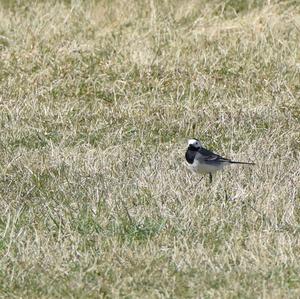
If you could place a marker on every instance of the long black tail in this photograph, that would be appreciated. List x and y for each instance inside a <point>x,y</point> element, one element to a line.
<point>237,162</point>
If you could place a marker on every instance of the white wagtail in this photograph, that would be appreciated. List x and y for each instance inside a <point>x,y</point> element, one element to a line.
<point>204,161</point>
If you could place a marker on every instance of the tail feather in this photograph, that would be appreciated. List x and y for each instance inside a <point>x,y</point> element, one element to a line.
<point>238,162</point>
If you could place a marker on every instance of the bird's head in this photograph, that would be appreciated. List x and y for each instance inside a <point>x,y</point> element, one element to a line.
<point>194,143</point>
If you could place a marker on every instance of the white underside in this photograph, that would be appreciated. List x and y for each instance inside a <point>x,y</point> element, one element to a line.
<point>204,167</point>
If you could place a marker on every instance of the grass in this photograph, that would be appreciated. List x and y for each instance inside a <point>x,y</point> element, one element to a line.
<point>97,101</point>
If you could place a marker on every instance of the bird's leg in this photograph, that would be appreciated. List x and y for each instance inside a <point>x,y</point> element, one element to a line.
<point>226,196</point>
<point>201,179</point>
<point>210,178</point>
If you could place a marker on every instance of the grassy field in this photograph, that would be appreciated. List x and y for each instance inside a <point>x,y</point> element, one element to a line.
<point>97,102</point>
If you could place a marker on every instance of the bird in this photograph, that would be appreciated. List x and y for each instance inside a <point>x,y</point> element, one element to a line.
<point>202,160</point>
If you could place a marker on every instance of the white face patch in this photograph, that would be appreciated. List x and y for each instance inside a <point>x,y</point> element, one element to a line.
<point>194,143</point>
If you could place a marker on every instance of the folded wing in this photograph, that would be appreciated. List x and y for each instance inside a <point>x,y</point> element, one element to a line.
<point>210,156</point>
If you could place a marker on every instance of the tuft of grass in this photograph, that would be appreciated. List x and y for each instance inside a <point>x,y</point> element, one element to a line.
<point>97,101</point>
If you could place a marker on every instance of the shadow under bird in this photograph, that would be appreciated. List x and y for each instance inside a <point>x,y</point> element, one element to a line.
<point>205,161</point>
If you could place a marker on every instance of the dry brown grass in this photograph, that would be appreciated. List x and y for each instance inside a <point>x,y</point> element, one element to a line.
<point>97,102</point>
